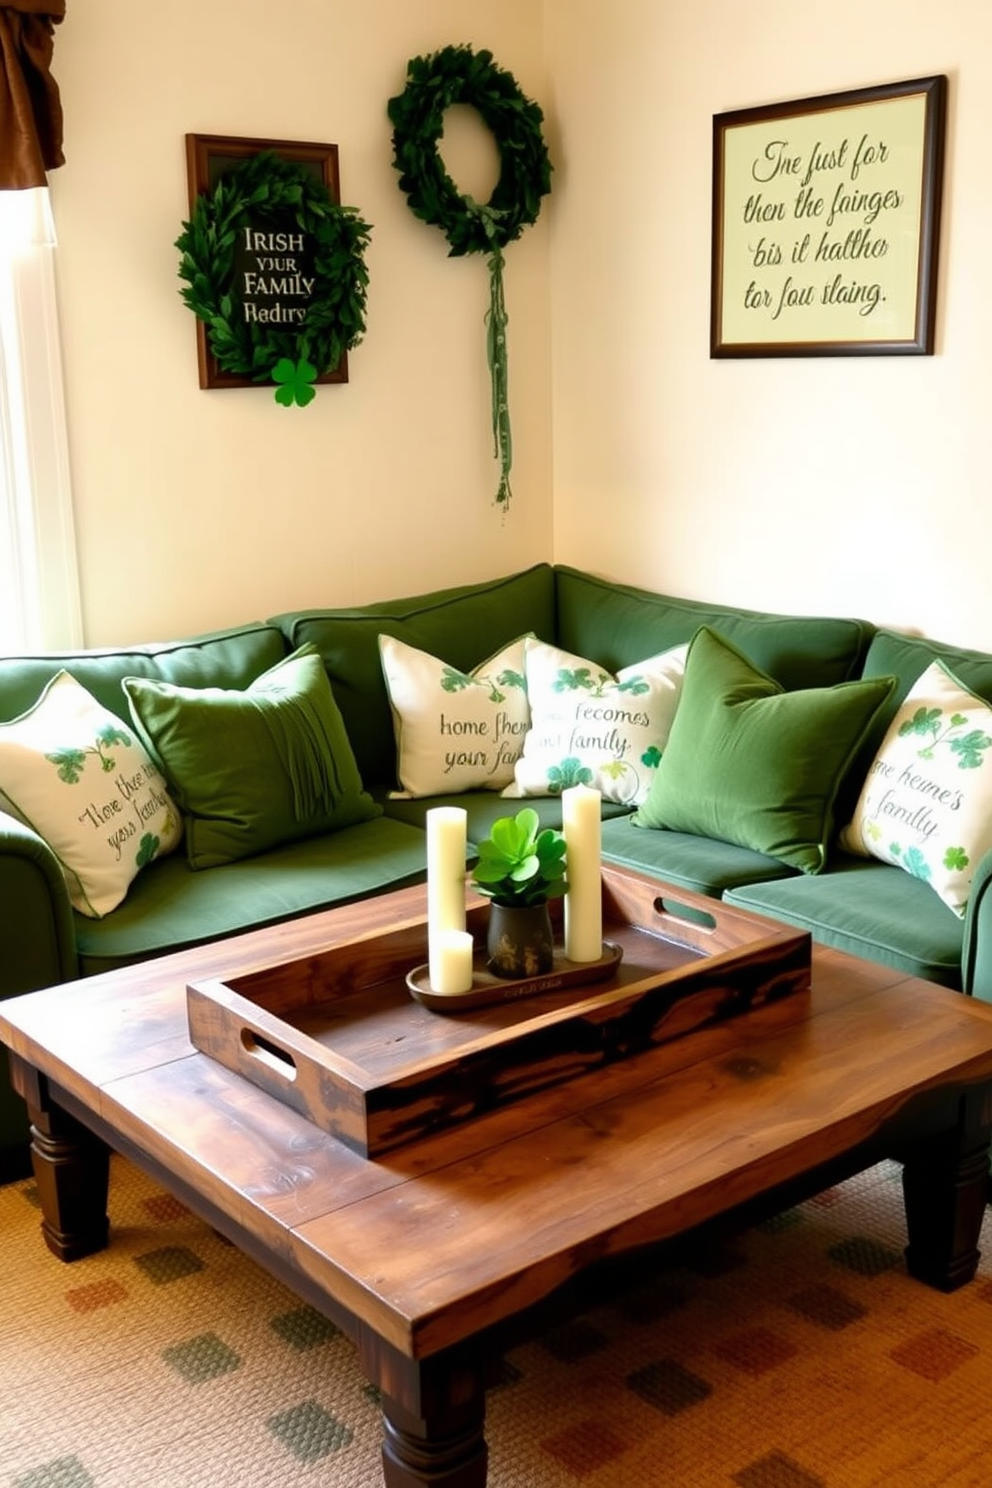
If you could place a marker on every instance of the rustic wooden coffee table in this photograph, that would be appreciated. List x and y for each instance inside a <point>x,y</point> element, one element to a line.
<point>429,1255</point>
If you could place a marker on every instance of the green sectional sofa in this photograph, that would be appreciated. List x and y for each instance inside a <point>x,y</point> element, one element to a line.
<point>864,905</point>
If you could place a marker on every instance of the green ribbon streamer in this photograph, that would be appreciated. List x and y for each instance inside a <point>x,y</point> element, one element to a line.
<point>496,320</point>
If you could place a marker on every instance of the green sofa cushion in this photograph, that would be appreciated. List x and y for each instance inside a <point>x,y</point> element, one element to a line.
<point>616,625</point>
<point>223,658</point>
<point>172,908</point>
<point>461,626</point>
<point>691,862</point>
<point>254,768</point>
<point>869,909</point>
<point>907,657</point>
<point>751,764</point>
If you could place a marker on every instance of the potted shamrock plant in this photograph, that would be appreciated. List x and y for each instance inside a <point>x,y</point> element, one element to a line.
<point>521,867</point>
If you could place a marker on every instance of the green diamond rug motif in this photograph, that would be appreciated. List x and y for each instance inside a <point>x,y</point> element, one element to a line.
<point>202,1358</point>
<point>309,1431</point>
<point>168,1263</point>
<point>776,1471</point>
<point>866,1256</point>
<point>303,1328</point>
<point>668,1386</point>
<point>64,1472</point>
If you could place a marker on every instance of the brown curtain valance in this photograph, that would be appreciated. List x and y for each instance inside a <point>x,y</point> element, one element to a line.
<point>30,108</point>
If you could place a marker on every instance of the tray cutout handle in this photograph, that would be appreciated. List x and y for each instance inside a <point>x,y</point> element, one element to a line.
<point>689,914</point>
<point>280,1061</point>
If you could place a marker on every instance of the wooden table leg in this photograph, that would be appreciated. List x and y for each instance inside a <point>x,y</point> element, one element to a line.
<point>433,1413</point>
<point>421,1454</point>
<point>945,1182</point>
<point>71,1169</point>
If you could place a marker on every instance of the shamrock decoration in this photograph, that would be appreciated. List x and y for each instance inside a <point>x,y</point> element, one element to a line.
<point>453,680</point>
<point>71,761</point>
<point>295,379</point>
<point>147,849</point>
<point>570,771</point>
<point>969,748</point>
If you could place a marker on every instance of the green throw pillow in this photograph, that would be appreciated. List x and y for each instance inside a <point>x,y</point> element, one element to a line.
<point>253,769</point>
<point>748,763</point>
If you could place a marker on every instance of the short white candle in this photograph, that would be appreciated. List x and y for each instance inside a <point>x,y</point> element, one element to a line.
<point>580,812</point>
<point>447,830</point>
<point>451,962</point>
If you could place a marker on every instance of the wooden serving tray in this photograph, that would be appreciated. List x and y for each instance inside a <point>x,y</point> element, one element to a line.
<point>338,1037</point>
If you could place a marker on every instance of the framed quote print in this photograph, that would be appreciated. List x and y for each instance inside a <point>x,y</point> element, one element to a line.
<point>826,222</point>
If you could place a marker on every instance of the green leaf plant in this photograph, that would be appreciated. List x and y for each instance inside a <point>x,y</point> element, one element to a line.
<point>519,863</point>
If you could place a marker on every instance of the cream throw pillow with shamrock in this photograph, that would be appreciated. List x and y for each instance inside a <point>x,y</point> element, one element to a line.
<point>589,727</point>
<point>455,731</point>
<point>72,771</point>
<point>926,804</point>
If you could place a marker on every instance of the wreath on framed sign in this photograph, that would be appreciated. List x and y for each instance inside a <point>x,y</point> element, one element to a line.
<point>316,258</point>
<point>457,74</point>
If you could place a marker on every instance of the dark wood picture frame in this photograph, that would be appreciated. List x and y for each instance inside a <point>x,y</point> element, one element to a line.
<point>826,223</point>
<point>208,156</point>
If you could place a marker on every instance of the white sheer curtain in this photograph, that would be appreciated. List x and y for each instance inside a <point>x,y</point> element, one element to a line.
<point>39,588</point>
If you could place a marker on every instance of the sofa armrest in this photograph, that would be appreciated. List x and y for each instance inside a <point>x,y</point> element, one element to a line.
<point>976,955</point>
<point>37,937</point>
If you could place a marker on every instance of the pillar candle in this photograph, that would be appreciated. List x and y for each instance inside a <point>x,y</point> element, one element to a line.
<point>451,962</point>
<point>446,843</point>
<point>580,810</point>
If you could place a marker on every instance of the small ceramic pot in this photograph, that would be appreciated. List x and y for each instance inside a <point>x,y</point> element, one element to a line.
<point>519,940</point>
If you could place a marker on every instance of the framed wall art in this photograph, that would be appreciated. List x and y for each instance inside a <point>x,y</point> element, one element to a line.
<point>273,264</point>
<point>826,222</point>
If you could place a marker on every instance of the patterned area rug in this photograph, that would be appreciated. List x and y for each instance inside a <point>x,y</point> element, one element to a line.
<point>798,1355</point>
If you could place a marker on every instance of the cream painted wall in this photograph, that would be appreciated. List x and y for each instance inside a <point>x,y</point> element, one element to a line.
<point>199,509</point>
<point>840,485</point>
<point>837,484</point>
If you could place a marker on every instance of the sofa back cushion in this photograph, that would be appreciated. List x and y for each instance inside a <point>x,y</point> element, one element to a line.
<point>461,626</point>
<point>907,657</point>
<point>616,625</point>
<point>225,658</point>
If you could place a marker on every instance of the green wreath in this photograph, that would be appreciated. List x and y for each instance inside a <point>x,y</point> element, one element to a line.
<point>457,74</point>
<point>264,189</point>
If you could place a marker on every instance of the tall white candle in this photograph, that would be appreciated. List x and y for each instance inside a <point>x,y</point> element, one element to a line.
<point>452,962</point>
<point>580,811</point>
<point>447,830</point>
